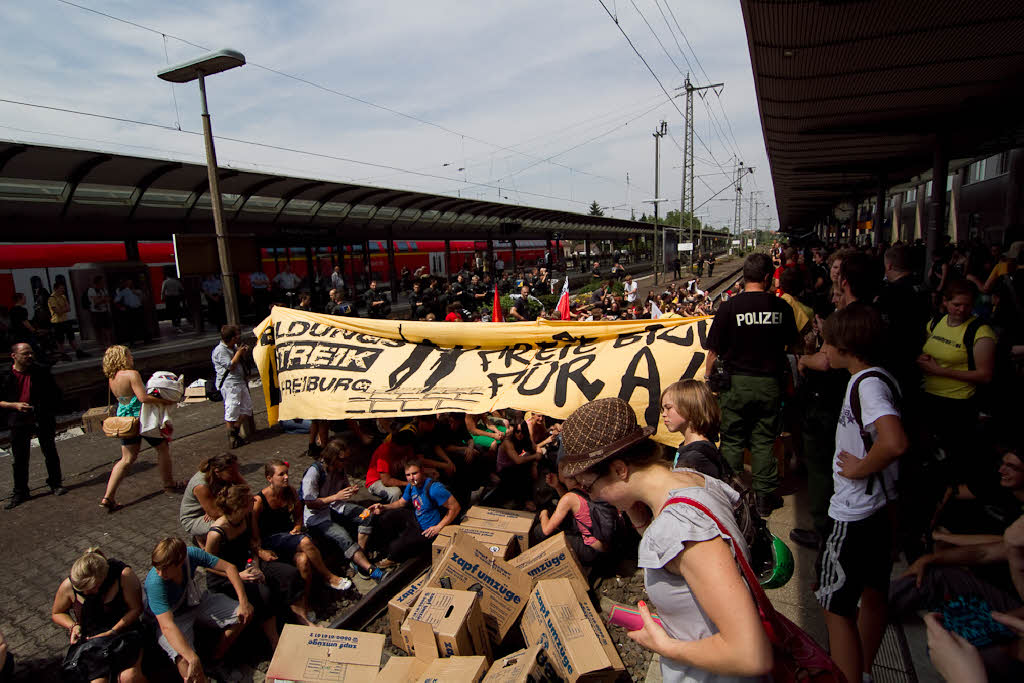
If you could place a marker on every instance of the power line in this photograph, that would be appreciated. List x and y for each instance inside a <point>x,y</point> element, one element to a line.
<point>280,148</point>
<point>333,91</point>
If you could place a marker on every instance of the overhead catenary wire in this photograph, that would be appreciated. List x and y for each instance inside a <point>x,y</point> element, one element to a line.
<point>334,91</point>
<point>280,148</point>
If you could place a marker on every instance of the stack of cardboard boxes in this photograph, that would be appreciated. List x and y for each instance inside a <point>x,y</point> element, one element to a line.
<point>452,618</point>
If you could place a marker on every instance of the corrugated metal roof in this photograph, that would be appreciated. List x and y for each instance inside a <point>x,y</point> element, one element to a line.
<point>850,91</point>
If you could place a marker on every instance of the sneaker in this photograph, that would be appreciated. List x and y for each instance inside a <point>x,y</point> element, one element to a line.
<point>58,490</point>
<point>342,585</point>
<point>767,503</point>
<point>378,574</point>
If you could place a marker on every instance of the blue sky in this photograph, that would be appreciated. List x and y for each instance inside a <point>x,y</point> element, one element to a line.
<point>535,78</point>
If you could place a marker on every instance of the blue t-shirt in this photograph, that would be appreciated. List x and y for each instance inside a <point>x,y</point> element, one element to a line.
<point>162,595</point>
<point>427,507</point>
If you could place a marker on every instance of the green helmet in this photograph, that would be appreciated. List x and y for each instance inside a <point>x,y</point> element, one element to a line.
<point>778,573</point>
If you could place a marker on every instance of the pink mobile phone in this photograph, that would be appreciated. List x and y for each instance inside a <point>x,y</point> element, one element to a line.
<point>629,618</point>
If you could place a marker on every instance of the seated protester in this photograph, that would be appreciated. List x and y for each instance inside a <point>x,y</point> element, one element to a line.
<point>857,559</point>
<point>517,467</point>
<point>6,662</point>
<point>277,521</point>
<point>272,587</point>
<point>451,435</point>
<point>487,431</point>
<point>100,604</point>
<point>689,407</point>
<point>572,515</point>
<point>432,454</point>
<point>386,459</point>
<point>199,503</point>
<point>410,533</point>
<point>177,602</point>
<point>966,564</point>
<point>985,506</point>
<point>330,516</point>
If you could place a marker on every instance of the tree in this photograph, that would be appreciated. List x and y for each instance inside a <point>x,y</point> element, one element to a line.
<point>595,209</point>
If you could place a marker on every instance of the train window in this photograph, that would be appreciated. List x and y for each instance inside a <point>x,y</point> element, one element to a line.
<point>32,190</point>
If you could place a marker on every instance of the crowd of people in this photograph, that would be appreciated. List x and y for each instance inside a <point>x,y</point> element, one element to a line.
<point>899,384</point>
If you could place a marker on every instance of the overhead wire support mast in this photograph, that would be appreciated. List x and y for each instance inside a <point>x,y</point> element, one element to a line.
<point>686,196</point>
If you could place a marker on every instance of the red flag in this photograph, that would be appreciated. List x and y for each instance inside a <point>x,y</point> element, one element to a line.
<point>497,315</point>
<point>563,301</point>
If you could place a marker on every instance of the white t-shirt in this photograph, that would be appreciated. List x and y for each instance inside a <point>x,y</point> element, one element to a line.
<point>851,502</point>
<point>630,289</point>
<point>259,280</point>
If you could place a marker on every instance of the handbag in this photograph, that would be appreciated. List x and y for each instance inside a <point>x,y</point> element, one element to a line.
<point>795,655</point>
<point>102,656</point>
<point>124,427</point>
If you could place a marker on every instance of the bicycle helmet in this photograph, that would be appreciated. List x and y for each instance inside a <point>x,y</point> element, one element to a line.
<point>778,573</point>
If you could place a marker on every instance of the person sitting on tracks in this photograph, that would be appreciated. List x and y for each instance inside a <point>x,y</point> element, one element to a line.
<point>199,503</point>
<point>384,463</point>
<point>100,604</point>
<point>329,514</point>
<point>273,587</point>
<point>177,602</point>
<point>410,533</point>
<point>277,521</point>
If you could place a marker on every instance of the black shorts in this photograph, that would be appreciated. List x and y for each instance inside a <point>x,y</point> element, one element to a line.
<point>856,556</point>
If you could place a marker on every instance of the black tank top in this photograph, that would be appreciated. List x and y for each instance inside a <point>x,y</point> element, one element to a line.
<point>273,521</point>
<point>234,550</point>
<point>92,613</point>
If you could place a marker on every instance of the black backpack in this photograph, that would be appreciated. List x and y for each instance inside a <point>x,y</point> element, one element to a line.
<point>605,521</point>
<point>855,408</point>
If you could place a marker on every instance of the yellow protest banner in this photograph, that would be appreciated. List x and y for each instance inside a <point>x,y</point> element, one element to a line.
<point>332,368</point>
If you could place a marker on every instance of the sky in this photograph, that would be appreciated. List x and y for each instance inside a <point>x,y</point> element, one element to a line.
<point>527,102</point>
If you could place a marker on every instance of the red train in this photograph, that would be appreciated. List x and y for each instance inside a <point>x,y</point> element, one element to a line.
<point>20,262</point>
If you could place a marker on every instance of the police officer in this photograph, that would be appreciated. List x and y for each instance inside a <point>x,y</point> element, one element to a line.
<point>750,333</point>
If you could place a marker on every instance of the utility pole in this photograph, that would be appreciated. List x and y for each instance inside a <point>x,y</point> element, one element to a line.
<point>659,133</point>
<point>739,203</point>
<point>686,198</point>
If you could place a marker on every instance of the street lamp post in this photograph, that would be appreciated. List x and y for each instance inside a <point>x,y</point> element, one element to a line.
<point>198,69</point>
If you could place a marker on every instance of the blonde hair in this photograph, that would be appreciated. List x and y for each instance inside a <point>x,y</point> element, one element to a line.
<point>115,359</point>
<point>89,570</point>
<point>694,401</point>
<point>168,553</point>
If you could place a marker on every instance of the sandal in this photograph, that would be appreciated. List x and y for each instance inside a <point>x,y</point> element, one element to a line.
<point>110,505</point>
<point>175,487</point>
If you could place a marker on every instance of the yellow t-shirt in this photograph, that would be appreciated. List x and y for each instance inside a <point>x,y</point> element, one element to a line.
<point>946,345</point>
<point>999,270</point>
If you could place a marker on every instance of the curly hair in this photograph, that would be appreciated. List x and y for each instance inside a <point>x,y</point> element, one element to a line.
<point>115,359</point>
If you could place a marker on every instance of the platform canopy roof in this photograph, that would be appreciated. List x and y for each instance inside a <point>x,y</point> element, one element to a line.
<point>62,194</point>
<point>853,94</point>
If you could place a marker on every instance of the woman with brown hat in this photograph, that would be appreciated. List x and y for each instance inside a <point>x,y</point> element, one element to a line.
<point>711,624</point>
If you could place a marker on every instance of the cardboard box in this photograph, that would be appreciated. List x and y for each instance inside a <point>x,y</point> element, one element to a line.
<point>399,606</point>
<point>195,399</point>
<point>455,620</point>
<point>501,543</point>
<point>402,670</point>
<point>565,623</point>
<point>504,590</point>
<point>484,512</point>
<point>454,670</point>
<point>526,666</point>
<point>92,420</point>
<point>552,559</point>
<point>195,392</point>
<point>324,654</point>
<point>519,526</point>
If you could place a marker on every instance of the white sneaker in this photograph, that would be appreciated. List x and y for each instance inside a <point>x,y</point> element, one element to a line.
<point>343,585</point>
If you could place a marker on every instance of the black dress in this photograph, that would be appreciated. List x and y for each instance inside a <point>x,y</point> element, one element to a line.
<point>283,585</point>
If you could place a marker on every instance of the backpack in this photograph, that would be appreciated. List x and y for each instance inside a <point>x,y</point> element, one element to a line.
<point>969,334</point>
<point>605,521</point>
<point>855,408</point>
